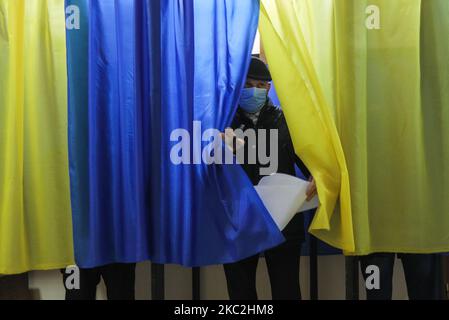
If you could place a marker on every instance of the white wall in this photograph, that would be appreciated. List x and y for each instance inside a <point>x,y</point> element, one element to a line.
<point>331,274</point>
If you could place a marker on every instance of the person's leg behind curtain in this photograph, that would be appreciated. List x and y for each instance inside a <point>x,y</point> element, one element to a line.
<point>241,279</point>
<point>89,280</point>
<point>420,274</point>
<point>283,269</point>
<point>283,262</point>
<point>385,263</point>
<point>120,281</point>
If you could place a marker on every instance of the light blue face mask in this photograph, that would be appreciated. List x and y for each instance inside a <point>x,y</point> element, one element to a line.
<point>253,99</point>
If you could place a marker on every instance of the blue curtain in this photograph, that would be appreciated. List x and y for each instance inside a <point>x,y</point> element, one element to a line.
<point>153,67</point>
<point>77,71</point>
<point>107,107</point>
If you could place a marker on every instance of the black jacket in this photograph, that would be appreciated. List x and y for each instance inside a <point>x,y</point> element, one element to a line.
<point>270,117</point>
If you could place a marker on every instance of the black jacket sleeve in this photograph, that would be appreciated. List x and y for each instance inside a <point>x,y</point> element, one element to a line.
<point>302,166</point>
<point>292,153</point>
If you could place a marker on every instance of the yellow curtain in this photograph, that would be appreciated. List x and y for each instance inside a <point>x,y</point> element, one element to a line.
<point>35,215</point>
<point>309,118</point>
<point>384,72</point>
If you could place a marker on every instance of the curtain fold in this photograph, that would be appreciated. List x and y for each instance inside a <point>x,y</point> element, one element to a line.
<point>308,115</point>
<point>108,58</point>
<point>35,214</point>
<point>203,214</point>
<point>78,127</point>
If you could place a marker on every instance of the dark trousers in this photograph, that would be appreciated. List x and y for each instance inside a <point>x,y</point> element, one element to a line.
<point>119,280</point>
<point>283,269</point>
<point>420,274</point>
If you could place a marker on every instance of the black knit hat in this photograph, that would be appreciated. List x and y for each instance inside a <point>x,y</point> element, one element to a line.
<point>258,70</point>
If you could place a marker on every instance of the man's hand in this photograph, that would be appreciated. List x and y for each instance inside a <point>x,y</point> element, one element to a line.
<point>229,137</point>
<point>311,191</point>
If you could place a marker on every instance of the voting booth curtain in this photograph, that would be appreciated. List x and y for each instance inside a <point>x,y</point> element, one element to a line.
<point>137,70</point>
<point>380,68</point>
<point>35,216</point>
<point>363,84</point>
<point>307,112</point>
<point>152,67</point>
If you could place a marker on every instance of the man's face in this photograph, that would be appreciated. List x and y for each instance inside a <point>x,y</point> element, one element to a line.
<point>251,83</point>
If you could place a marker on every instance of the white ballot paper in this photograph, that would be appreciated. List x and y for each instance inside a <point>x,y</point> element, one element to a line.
<point>284,196</point>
